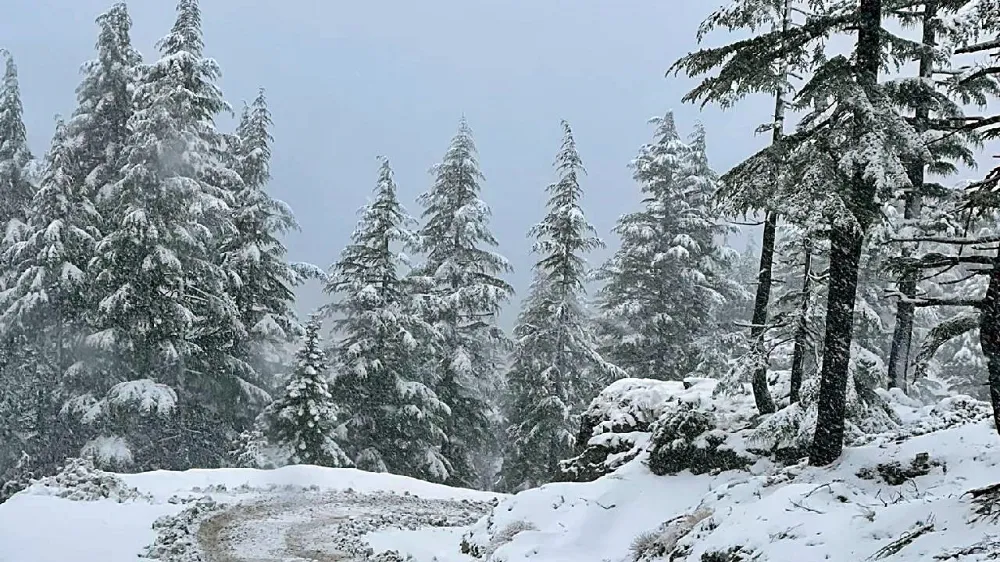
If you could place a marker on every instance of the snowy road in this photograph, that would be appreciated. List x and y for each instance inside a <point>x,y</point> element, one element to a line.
<point>320,526</point>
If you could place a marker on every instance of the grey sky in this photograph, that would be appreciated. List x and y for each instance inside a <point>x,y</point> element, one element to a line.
<point>348,81</point>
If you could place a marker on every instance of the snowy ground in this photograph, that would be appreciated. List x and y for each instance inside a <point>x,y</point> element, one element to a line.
<point>905,496</point>
<point>292,514</point>
<point>849,512</point>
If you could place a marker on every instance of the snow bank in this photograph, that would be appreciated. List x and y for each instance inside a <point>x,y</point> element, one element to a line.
<point>165,483</point>
<point>37,525</point>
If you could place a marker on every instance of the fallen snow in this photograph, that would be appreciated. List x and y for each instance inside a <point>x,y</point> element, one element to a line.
<point>38,526</point>
<point>844,513</point>
<point>779,514</point>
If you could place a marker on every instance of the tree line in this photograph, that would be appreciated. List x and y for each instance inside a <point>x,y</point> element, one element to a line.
<point>147,301</point>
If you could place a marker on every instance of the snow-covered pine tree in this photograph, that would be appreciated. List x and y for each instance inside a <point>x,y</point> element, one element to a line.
<point>668,276</point>
<point>165,323</point>
<point>754,15</point>
<point>254,255</point>
<point>16,403</point>
<point>15,189</point>
<point>303,425</point>
<point>47,302</point>
<point>44,308</point>
<point>556,369</point>
<point>99,125</point>
<point>393,421</point>
<point>462,274</point>
<point>933,107</point>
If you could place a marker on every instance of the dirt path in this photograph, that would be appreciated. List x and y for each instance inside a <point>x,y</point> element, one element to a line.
<point>312,526</point>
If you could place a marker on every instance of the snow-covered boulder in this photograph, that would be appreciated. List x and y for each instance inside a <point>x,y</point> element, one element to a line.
<point>685,425</point>
<point>616,426</point>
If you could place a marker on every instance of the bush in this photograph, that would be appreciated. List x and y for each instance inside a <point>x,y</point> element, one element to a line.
<point>690,439</point>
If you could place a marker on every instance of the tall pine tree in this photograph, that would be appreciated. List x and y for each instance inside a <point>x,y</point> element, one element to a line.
<point>166,324</point>
<point>556,368</point>
<point>462,273</point>
<point>669,273</point>
<point>393,421</point>
<point>253,255</point>
<point>850,151</point>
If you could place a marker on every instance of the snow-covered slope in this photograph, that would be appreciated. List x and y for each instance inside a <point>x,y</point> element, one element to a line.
<point>882,501</point>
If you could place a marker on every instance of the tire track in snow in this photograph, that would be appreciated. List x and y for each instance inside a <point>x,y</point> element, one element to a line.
<point>311,526</point>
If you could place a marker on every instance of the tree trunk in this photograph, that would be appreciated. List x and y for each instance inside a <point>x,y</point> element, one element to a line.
<point>802,325</point>
<point>989,338</point>
<point>846,241</point>
<point>761,394</point>
<point>902,335</point>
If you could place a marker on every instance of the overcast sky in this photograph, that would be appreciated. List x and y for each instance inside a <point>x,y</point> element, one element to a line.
<point>348,81</point>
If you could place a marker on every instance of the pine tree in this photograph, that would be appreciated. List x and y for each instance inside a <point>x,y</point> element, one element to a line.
<point>254,255</point>
<point>302,425</point>
<point>22,400</point>
<point>44,309</point>
<point>668,275</point>
<point>15,189</point>
<point>463,276</point>
<point>99,125</point>
<point>556,369</point>
<point>393,421</point>
<point>165,323</point>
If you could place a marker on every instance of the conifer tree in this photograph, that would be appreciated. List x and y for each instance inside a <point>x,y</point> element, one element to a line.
<point>44,308</point>
<point>254,255</point>
<point>668,275</point>
<point>98,127</point>
<point>15,189</point>
<point>556,368</point>
<point>166,324</point>
<point>393,421</point>
<point>462,274</point>
<point>20,402</point>
<point>302,425</point>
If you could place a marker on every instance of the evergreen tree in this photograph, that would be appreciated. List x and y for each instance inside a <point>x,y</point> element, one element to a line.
<point>253,255</point>
<point>15,189</point>
<point>394,422</point>
<point>23,399</point>
<point>668,276</point>
<point>44,308</point>
<point>556,369</point>
<point>302,425</point>
<point>99,125</point>
<point>462,274</point>
<point>166,324</point>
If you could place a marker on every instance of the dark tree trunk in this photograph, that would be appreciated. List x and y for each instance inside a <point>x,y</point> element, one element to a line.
<point>801,325</point>
<point>761,394</point>
<point>989,338</point>
<point>846,241</point>
<point>902,335</point>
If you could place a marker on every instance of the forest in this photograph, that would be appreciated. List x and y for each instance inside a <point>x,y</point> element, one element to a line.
<point>147,305</point>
